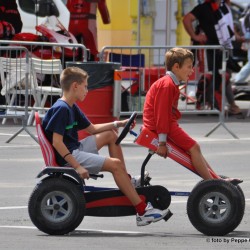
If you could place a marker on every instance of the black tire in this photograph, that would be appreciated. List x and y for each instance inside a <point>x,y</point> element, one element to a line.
<point>243,199</point>
<point>215,207</point>
<point>56,206</point>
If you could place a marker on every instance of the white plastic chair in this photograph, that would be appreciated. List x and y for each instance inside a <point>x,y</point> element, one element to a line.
<point>39,68</point>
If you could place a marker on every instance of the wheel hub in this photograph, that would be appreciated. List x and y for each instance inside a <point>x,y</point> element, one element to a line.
<point>215,208</point>
<point>56,207</point>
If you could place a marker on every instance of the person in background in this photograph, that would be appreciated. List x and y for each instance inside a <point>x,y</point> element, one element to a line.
<point>212,15</point>
<point>83,22</point>
<point>10,19</point>
<point>245,26</point>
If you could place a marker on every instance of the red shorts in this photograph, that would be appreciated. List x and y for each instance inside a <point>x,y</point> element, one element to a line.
<point>180,137</point>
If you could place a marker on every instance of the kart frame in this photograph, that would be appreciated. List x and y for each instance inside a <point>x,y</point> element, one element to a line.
<point>214,207</point>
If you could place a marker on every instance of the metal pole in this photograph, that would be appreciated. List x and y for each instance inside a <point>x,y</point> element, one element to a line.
<point>138,41</point>
<point>168,22</point>
<point>223,93</point>
<point>117,93</point>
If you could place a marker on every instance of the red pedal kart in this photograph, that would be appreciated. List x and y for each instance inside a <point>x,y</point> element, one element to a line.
<point>61,199</point>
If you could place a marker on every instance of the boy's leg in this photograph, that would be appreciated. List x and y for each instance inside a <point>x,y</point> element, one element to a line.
<point>185,142</point>
<point>87,156</point>
<point>115,151</point>
<point>199,162</point>
<point>121,178</point>
<point>108,138</point>
<point>146,214</point>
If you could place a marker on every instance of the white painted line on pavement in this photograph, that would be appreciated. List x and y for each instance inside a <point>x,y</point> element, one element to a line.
<point>20,227</point>
<point>20,146</point>
<point>22,160</point>
<point>108,231</point>
<point>13,134</point>
<point>205,139</point>
<point>200,139</point>
<point>16,207</point>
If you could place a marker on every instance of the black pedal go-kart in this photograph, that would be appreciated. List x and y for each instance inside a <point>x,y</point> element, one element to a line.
<point>60,200</point>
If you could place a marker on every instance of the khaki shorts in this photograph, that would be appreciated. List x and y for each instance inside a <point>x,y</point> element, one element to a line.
<point>87,155</point>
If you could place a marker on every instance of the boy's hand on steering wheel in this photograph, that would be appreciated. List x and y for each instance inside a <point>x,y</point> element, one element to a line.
<point>162,151</point>
<point>124,122</point>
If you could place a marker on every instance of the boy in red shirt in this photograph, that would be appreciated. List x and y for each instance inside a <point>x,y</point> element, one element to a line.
<point>161,112</point>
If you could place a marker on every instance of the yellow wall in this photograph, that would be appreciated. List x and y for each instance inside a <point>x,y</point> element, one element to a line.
<point>182,37</point>
<point>118,32</point>
<point>122,31</point>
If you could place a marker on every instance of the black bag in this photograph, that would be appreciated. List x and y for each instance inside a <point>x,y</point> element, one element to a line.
<point>233,65</point>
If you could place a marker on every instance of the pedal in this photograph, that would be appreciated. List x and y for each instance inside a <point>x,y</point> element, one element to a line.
<point>168,215</point>
<point>147,181</point>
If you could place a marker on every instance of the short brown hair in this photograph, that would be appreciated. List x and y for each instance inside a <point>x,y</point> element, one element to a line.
<point>70,75</point>
<point>177,55</point>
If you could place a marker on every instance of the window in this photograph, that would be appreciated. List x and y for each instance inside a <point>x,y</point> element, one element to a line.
<point>41,8</point>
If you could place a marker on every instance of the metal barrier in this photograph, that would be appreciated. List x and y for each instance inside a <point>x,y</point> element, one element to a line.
<point>24,75</point>
<point>25,88</point>
<point>143,65</point>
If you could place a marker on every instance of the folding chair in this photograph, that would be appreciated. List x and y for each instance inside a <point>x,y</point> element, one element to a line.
<point>41,67</point>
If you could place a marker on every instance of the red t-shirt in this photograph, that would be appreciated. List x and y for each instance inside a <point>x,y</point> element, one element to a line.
<point>160,107</point>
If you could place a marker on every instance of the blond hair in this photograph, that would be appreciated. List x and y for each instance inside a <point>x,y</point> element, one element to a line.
<point>177,55</point>
<point>70,75</point>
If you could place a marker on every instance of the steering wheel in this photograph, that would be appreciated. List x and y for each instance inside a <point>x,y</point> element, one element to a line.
<point>126,129</point>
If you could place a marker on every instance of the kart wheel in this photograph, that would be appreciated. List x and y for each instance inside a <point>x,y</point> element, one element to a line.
<point>56,206</point>
<point>215,207</point>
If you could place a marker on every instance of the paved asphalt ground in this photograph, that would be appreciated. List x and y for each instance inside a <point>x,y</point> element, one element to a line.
<point>21,160</point>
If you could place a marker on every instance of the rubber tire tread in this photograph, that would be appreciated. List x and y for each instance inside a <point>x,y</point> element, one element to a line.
<point>227,189</point>
<point>63,185</point>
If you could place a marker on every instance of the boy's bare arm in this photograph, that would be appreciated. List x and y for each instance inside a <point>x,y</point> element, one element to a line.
<point>98,128</point>
<point>60,147</point>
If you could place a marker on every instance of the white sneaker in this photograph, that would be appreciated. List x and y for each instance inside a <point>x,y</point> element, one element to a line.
<point>136,180</point>
<point>151,215</point>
